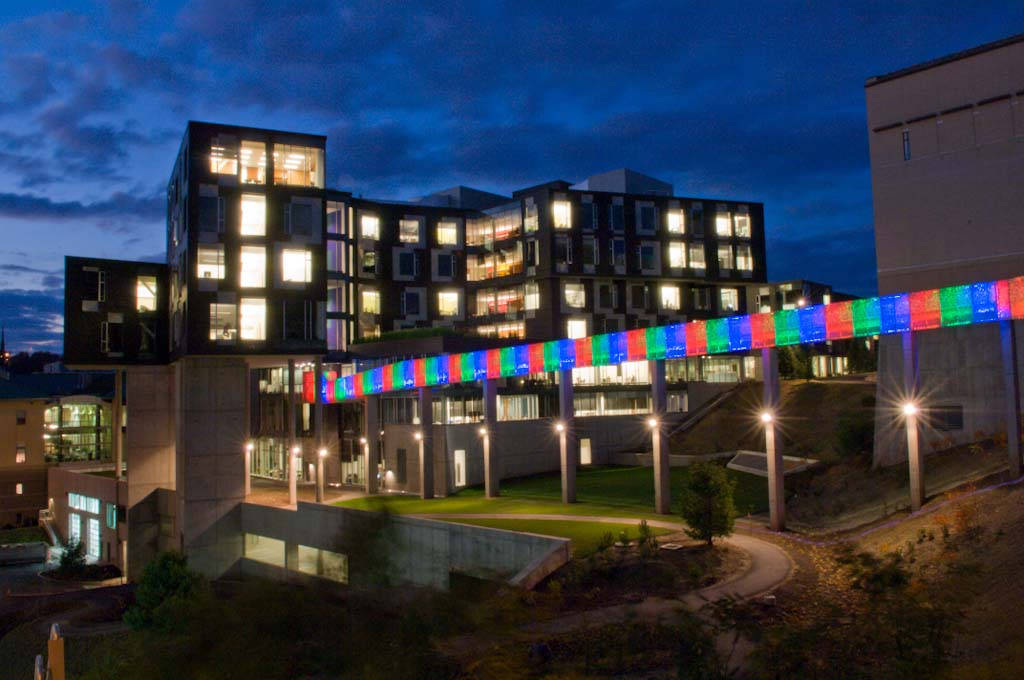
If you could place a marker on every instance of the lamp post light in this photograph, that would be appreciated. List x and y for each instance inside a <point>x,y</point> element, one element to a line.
<point>321,456</point>
<point>911,411</point>
<point>776,474</point>
<point>293,475</point>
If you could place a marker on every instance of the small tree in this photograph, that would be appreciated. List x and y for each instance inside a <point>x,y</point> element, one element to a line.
<point>165,582</point>
<point>72,560</point>
<point>707,502</point>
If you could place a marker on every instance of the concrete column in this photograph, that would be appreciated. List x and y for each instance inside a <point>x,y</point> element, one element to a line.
<point>318,428</point>
<point>1008,342</point>
<point>773,448</point>
<point>492,477</point>
<point>116,439</point>
<point>249,445</point>
<point>659,444</point>
<point>293,477</point>
<point>371,426</point>
<point>426,442</point>
<point>911,389</point>
<point>568,443</point>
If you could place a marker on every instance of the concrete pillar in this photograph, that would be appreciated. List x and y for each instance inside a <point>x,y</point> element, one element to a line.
<point>116,439</point>
<point>1008,343</point>
<point>659,443</point>
<point>293,476</point>
<point>911,389</point>
<point>773,448</point>
<point>371,427</point>
<point>318,428</point>
<point>426,442</point>
<point>568,442</point>
<point>249,444</point>
<point>492,477</point>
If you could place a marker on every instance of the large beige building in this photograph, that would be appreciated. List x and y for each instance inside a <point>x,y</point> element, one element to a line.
<point>947,178</point>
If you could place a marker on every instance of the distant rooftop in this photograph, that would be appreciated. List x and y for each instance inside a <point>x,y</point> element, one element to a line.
<point>956,56</point>
<point>463,197</point>
<point>625,181</point>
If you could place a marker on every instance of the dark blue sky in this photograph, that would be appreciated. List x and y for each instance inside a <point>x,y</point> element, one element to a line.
<point>761,101</point>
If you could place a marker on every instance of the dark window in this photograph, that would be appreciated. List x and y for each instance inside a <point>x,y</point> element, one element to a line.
<point>588,216</point>
<point>701,298</point>
<point>612,325</point>
<point>947,417</point>
<point>618,217</point>
<point>906,145</point>
<point>301,222</point>
<point>647,218</point>
<point>697,218</point>
<point>20,417</point>
<point>590,250</point>
<point>645,254</point>
<point>401,463</point>
<point>446,265</point>
<point>618,252</point>
<point>605,296</point>
<point>407,264</point>
<point>410,303</point>
<point>638,295</point>
<point>211,214</point>
<point>531,253</point>
<point>294,326</point>
<point>563,250</point>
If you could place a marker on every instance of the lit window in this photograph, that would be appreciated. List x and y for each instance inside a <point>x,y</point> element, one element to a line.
<point>145,293</point>
<point>725,259</point>
<point>670,298</point>
<point>561,211</point>
<point>409,231</point>
<point>744,260</point>
<point>223,322</point>
<point>19,454</point>
<point>575,295</point>
<point>531,296</point>
<point>677,255</point>
<point>723,224</point>
<point>448,303</point>
<point>254,163</point>
<point>296,266</point>
<point>111,516</point>
<point>741,223</point>
<point>254,215</point>
<point>19,489</point>
<point>697,256</point>
<point>371,301</point>
<point>210,261</point>
<point>576,328</point>
<point>676,222</point>
<point>223,160</point>
<point>298,165</point>
<point>369,261</point>
<point>252,313</point>
<point>531,223</point>
<point>447,234</point>
<point>254,267</point>
<point>369,227</point>
<point>730,299</point>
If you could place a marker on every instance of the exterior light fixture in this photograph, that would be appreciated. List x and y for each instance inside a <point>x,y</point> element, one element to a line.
<point>801,302</point>
<point>910,409</point>
<point>362,440</point>
<point>767,417</point>
<point>382,433</point>
<point>323,453</point>
<point>249,447</point>
<point>652,423</point>
<point>418,436</point>
<point>295,450</point>
<point>560,427</point>
<point>482,431</point>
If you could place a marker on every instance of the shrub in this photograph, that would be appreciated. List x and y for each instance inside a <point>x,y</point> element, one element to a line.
<point>707,504</point>
<point>606,541</point>
<point>166,584</point>
<point>72,561</point>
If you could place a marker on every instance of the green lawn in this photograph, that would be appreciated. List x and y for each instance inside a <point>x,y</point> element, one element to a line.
<point>615,491</point>
<point>23,535</point>
<point>584,535</point>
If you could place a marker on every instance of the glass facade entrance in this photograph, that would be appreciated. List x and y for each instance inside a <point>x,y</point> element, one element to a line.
<point>269,461</point>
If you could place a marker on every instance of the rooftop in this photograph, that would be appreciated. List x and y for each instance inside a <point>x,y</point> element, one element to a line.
<point>956,56</point>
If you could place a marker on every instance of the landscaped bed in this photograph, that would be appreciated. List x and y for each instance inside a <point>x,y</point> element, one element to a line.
<point>22,535</point>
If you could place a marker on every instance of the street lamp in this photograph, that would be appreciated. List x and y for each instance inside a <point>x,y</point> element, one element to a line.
<point>910,409</point>
<point>418,436</point>
<point>652,423</point>
<point>482,431</point>
<point>560,427</point>
<point>767,417</point>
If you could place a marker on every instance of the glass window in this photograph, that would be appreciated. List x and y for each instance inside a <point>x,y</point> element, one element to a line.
<point>211,214</point>
<point>588,216</point>
<point>723,224</point>
<point>445,265</point>
<point>645,213</point>
<point>618,248</point>
<point>676,222</point>
<point>725,259</point>
<point>335,218</point>
<point>145,293</point>
<point>254,267</point>
<point>697,218</point>
<point>369,226</point>
<point>370,301</point>
<point>701,298</point>
<point>697,256</point>
<point>223,324</point>
<point>607,294</point>
<point>296,266</point>
<point>409,231</point>
<point>744,260</point>
<point>335,256</point>
<point>531,295</point>
<point>618,217</point>
<point>741,223</point>
<point>590,250</point>
<point>252,314</point>
<point>223,159</point>
<point>646,252</point>
<point>676,254</point>
<point>410,303</point>
<point>447,234</point>
<point>298,165</point>
<point>254,163</point>
<point>407,264</point>
<point>369,260</point>
<point>563,250</point>
<point>299,219</point>
<point>531,222</point>
<point>575,295</point>
<point>254,215</point>
<point>448,303</point>
<point>20,453</point>
<point>94,538</point>
<point>576,328</point>
<point>561,213</point>
<point>74,527</point>
<point>730,299</point>
<point>670,298</point>
<point>111,516</point>
<point>210,261</point>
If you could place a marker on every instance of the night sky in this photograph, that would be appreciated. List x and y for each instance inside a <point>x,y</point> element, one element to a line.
<point>761,101</point>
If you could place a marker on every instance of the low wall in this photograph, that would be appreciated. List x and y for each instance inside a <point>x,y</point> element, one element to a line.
<point>412,550</point>
<point>647,459</point>
<point>22,553</point>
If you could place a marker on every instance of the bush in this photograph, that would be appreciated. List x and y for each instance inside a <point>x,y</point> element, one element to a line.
<point>72,561</point>
<point>167,583</point>
<point>707,502</point>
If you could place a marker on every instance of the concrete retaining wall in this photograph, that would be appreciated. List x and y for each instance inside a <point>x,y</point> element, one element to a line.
<point>647,459</point>
<point>22,553</point>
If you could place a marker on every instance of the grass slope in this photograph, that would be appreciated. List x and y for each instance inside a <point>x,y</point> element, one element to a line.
<point>585,536</point>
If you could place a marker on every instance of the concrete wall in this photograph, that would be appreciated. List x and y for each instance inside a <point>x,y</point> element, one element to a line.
<point>957,367</point>
<point>416,551</point>
<point>149,439</point>
<point>62,481</point>
<point>151,529</point>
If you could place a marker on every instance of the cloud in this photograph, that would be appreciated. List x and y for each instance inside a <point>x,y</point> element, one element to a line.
<point>32,319</point>
<point>119,207</point>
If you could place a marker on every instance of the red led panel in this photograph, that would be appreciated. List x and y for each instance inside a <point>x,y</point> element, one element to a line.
<point>1016,290</point>
<point>419,372</point>
<point>388,373</point>
<point>696,339</point>
<point>308,387</point>
<point>584,352</point>
<point>494,363</point>
<point>925,310</point>
<point>839,320</point>
<point>636,344</point>
<point>357,385</point>
<point>762,330</point>
<point>454,368</point>
<point>537,357</point>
